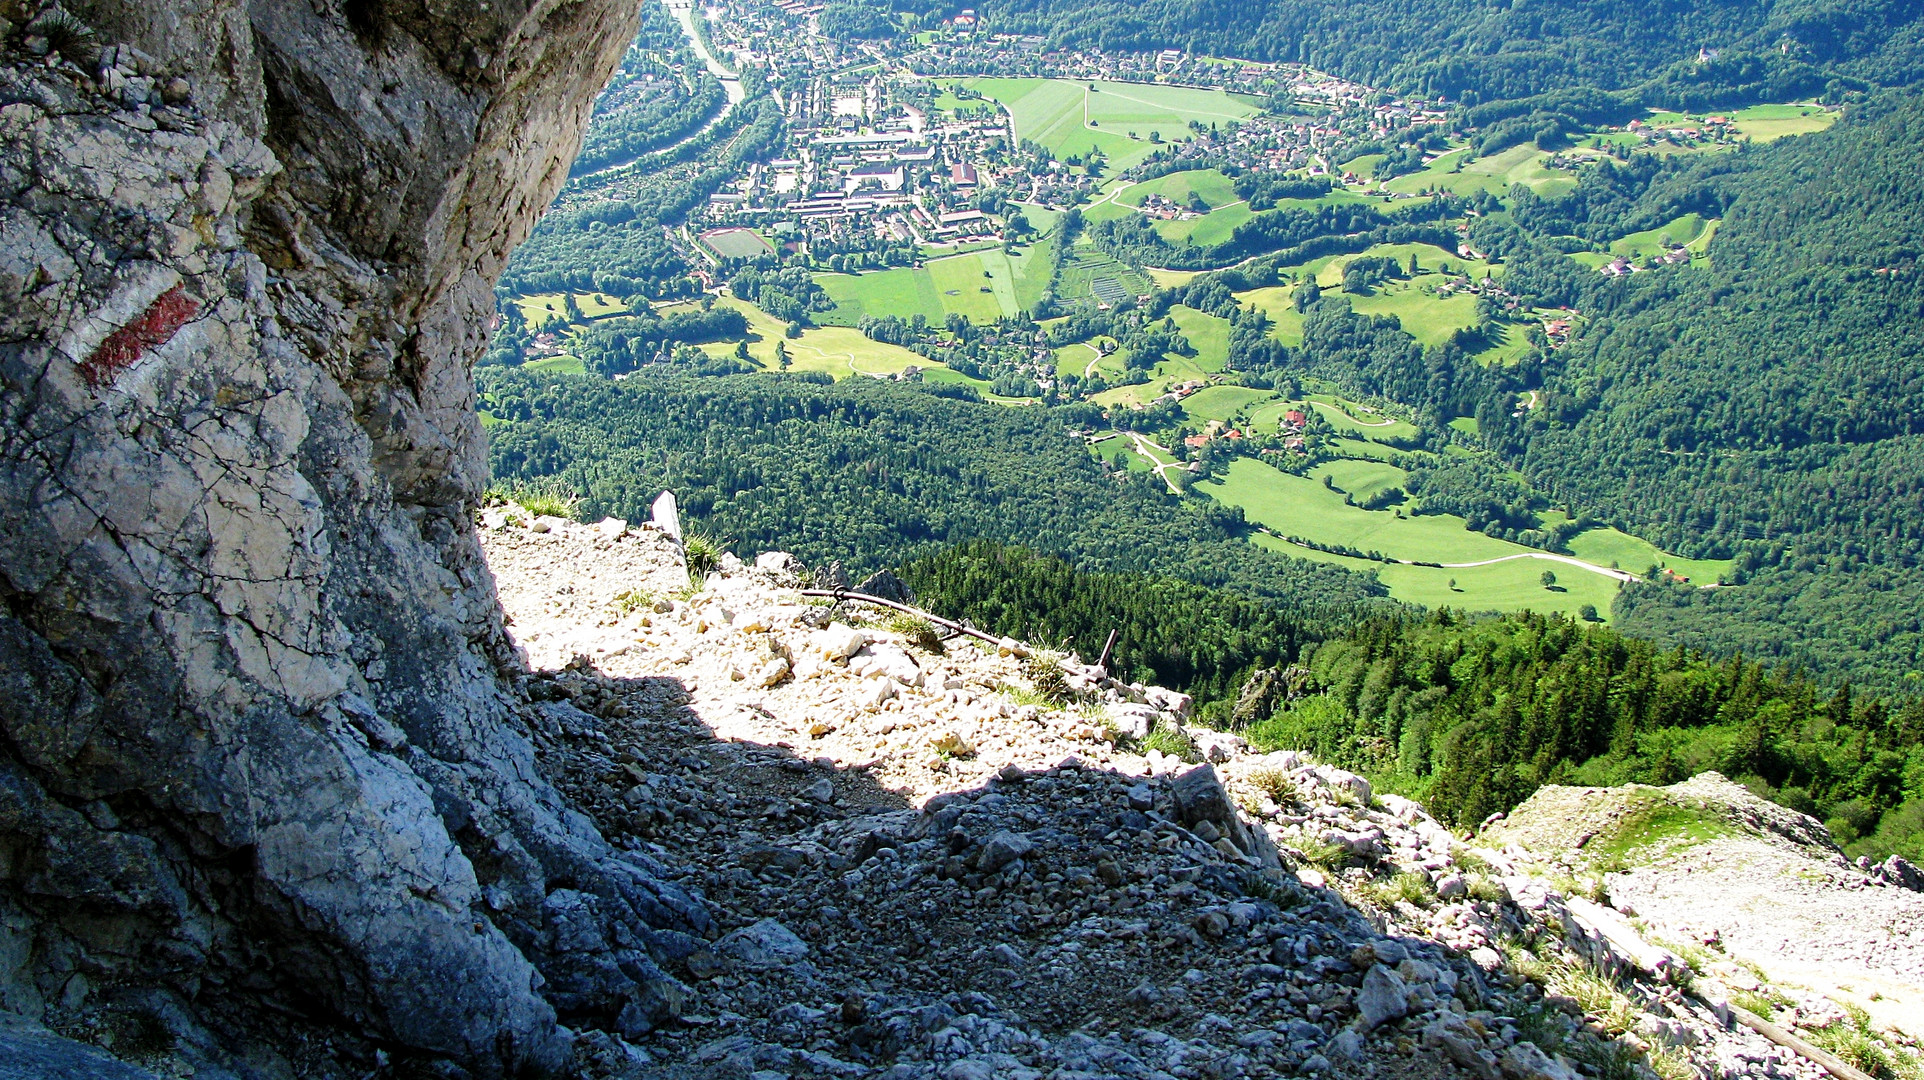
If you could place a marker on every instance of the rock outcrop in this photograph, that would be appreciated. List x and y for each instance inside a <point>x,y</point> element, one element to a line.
<point>253,743</point>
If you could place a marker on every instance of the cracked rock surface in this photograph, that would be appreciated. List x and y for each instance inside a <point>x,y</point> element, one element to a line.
<point>265,808</point>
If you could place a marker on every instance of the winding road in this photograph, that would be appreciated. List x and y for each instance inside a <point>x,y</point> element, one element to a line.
<point>1091,369</point>
<point>1618,575</point>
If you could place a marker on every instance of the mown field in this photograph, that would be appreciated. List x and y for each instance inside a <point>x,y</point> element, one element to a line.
<point>1301,506</point>
<point>984,286</point>
<point>1207,333</point>
<point>1456,171</point>
<point>543,308</point>
<point>838,351</point>
<point>1075,118</point>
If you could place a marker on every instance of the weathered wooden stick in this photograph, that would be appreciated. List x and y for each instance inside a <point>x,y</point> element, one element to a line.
<point>844,594</point>
<point>1828,1061</point>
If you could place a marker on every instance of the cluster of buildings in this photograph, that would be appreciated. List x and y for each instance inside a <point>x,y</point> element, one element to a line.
<point>1290,426</point>
<point>861,159</point>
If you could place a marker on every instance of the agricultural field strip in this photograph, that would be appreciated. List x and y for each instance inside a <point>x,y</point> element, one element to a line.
<point>1567,560</point>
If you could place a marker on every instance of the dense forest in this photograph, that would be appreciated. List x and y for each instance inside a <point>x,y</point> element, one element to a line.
<point>1671,53</point>
<point>1172,633</point>
<point>1769,403</point>
<point>1472,715</point>
<point>876,474</point>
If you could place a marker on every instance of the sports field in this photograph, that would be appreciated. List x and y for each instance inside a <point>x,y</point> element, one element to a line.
<point>735,243</point>
<point>1072,118</point>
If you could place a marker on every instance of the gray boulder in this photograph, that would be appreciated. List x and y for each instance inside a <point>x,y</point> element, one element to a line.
<point>766,943</point>
<point>1383,997</point>
<point>1001,849</point>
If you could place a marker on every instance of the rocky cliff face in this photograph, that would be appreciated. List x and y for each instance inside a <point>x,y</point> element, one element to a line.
<point>255,746</point>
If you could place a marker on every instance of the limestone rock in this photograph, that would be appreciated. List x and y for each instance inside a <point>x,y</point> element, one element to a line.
<point>1131,720</point>
<point>1002,849</point>
<point>838,641</point>
<point>239,459</point>
<point>763,944</point>
<point>1381,998</point>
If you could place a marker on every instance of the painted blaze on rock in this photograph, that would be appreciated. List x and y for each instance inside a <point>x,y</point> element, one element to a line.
<point>124,347</point>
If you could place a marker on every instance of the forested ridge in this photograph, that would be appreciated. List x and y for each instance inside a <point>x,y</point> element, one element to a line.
<point>876,474</point>
<point>1474,714</point>
<point>1194,638</point>
<point>1477,50</point>
<point>1770,403</point>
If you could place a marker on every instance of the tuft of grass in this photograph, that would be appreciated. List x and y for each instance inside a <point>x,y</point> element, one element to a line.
<point>1590,888</point>
<point>1046,675</point>
<point>629,601</point>
<point>1276,785</point>
<point>1486,888</point>
<point>1669,1064</point>
<point>917,631</point>
<point>1172,742</point>
<point>1764,1004</point>
<point>1022,695</point>
<point>1259,886</point>
<point>1406,887</point>
<point>1330,857</point>
<point>1469,862</point>
<point>1861,1046</point>
<point>67,35</point>
<point>543,498</point>
<point>702,551</point>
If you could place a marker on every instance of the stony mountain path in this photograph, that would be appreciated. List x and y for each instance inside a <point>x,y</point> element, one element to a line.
<point>920,869</point>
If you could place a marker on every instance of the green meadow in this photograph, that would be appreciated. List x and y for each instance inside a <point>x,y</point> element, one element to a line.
<point>1073,118</point>
<point>984,286</point>
<point>1303,507</point>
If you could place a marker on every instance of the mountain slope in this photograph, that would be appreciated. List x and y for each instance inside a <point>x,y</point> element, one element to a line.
<point>1490,51</point>
<point>1772,400</point>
